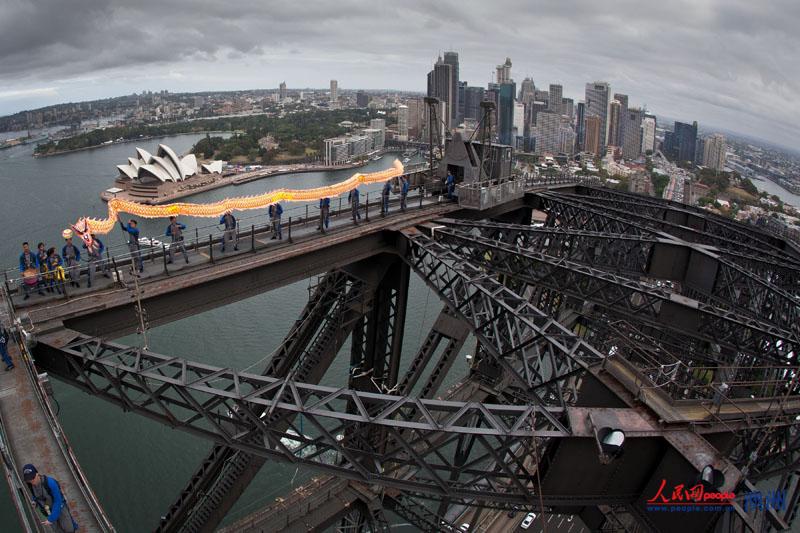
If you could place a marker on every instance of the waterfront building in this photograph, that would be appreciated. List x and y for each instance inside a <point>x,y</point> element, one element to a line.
<point>416,114</point>
<point>402,122</point>
<point>597,102</point>
<point>442,86</point>
<point>714,152</point>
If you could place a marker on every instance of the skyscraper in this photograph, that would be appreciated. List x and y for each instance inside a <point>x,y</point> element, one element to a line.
<point>504,72</point>
<point>451,58</point>
<point>593,134</point>
<point>473,96</point>
<point>505,111</point>
<point>623,112</point>
<point>402,122</point>
<point>519,122</point>
<point>547,132</point>
<point>714,152</point>
<point>567,107</point>
<point>334,91</point>
<point>441,86</point>
<point>554,99</point>
<point>648,133</point>
<point>632,141</point>
<point>613,123</point>
<point>462,101</point>
<point>580,127</point>
<point>597,100</point>
<point>415,117</point>
<point>362,99</point>
<point>282,91</point>
<point>526,91</point>
<point>685,140</point>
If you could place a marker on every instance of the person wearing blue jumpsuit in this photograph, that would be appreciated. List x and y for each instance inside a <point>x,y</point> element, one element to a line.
<point>94,257</point>
<point>47,496</point>
<point>27,261</point>
<point>275,211</point>
<point>450,184</point>
<point>133,242</point>
<point>403,192</point>
<point>387,189</point>
<point>4,348</point>
<point>229,233</point>
<point>324,213</point>
<point>352,199</point>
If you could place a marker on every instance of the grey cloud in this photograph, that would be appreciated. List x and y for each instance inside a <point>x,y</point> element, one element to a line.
<point>731,63</point>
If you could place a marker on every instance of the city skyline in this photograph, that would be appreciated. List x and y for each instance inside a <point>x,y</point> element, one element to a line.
<point>56,53</point>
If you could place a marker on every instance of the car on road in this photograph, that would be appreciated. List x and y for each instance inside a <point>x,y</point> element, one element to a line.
<point>529,518</point>
<point>464,527</point>
<point>513,511</point>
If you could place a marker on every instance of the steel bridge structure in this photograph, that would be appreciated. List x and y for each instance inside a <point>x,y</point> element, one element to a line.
<point>622,345</point>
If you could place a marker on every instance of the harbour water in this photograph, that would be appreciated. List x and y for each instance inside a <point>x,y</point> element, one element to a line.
<point>137,466</point>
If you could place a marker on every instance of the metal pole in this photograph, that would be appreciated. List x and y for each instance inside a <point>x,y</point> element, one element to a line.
<point>253,238</point>
<point>306,219</point>
<point>339,212</point>
<point>290,229</point>
<point>116,270</point>
<point>164,251</point>
<point>421,194</point>
<point>211,247</point>
<point>196,240</point>
<point>366,209</point>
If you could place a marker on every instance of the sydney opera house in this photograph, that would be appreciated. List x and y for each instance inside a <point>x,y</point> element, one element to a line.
<point>149,176</point>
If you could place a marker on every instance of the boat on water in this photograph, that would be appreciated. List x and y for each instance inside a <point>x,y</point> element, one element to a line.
<point>376,158</point>
<point>406,159</point>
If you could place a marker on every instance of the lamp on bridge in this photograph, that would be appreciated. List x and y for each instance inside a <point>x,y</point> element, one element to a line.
<point>711,478</point>
<point>610,442</point>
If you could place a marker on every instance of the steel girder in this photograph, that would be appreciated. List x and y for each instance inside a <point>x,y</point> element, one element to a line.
<point>622,295</point>
<point>730,287</point>
<point>225,406</point>
<point>705,221</point>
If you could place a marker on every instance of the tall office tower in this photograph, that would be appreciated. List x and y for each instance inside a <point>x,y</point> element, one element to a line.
<point>535,108</point>
<point>377,124</point>
<point>648,133</point>
<point>597,100</point>
<point>519,123</point>
<point>555,95</point>
<point>441,86</point>
<point>504,72</point>
<point>415,116</point>
<point>632,141</point>
<point>547,132</point>
<point>541,96</point>
<point>613,123</point>
<point>566,136</point>
<point>623,111</point>
<point>505,112</point>
<point>362,99</point>
<point>451,58</point>
<point>715,152</point>
<point>473,96</point>
<point>568,107</point>
<point>402,122</point>
<point>699,151</point>
<point>282,91</point>
<point>527,91</point>
<point>593,134</point>
<point>685,140</point>
<point>334,91</point>
<point>580,127</point>
<point>442,128</point>
<point>462,101</point>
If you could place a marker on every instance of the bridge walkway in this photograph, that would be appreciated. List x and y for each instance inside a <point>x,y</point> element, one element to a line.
<point>31,433</point>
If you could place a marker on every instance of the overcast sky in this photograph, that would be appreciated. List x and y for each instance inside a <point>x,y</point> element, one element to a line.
<point>731,64</point>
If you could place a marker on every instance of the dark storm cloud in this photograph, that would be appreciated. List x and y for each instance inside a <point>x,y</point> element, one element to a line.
<point>729,63</point>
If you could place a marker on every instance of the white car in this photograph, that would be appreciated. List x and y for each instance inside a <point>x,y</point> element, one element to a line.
<point>464,527</point>
<point>529,518</point>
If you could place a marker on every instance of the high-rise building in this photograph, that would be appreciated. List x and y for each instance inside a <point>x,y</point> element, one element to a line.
<point>580,127</point>
<point>623,111</point>
<point>402,122</point>
<point>567,107</point>
<point>442,86</point>
<point>462,101</point>
<point>632,128</point>
<point>362,99</point>
<point>282,91</point>
<point>593,134</point>
<point>441,127</point>
<point>715,152</point>
<point>473,96</point>
<point>504,72</point>
<point>613,123</point>
<point>334,91</point>
<point>416,113</point>
<point>555,95</point>
<point>519,121</point>
<point>505,111</point>
<point>547,133</point>
<point>685,140</point>
<point>451,58</point>
<point>527,91</point>
<point>597,100</point>
<point>541,96</point>
<point>648,133</point>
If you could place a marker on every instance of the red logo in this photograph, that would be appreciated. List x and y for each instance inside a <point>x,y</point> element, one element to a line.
<point>695,495</point>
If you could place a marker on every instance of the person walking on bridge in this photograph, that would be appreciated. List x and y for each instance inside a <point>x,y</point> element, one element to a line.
<point>72,259</point>
<point>4,338</point>
<point>450,185</point>
<point>94,256</point>
<point>352,199</point>
<point>48,497</point>
<point>229,234</point>
<point>41,257</point>
<point>403,193</point>
<point>275,211</point>
<point>324,213</point>
<point>385,192</point>
<point>133,242</point>
<point>175,231</point>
